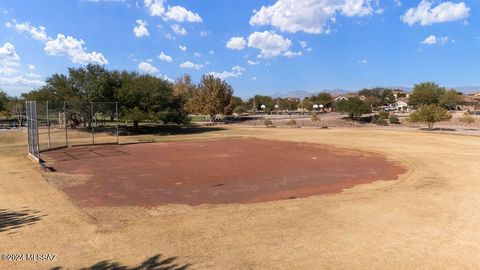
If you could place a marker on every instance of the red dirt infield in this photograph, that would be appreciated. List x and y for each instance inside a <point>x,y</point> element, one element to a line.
<point>233,170</point>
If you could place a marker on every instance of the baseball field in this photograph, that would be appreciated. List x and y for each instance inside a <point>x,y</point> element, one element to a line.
<point>245,198</point>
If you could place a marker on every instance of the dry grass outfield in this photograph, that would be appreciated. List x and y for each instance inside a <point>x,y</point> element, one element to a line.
<point>427,219</point>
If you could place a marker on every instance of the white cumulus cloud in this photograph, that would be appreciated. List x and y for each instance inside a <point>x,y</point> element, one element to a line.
<point>291,54</point>
<point>61,45</point>
<point>8,56</point>
<point>431,40</point>
<point>269,43</point>
<point>236,43</point>
<point>140,30</point>
<point>425,14</point>
<point>190,65</point>
<point>182,47</point>
<point>236,72</point>
<point>147,68</point>
<point>175,13</point>
<point>38,33</point>
<point>250,62</point>
<point>162,56</point>
<point>181,14</point>
<point>155,7</point>
<point>20,81</point>
<point>10,77</point>
<point>73,48</point>
<point>309,16</point>
<point>177,29</point>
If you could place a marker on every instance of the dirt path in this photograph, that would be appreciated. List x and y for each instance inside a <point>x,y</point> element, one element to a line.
<point>428,219</point>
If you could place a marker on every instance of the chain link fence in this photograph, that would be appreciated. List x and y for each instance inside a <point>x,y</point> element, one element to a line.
<point>53,125</point>
<point>32,130</point>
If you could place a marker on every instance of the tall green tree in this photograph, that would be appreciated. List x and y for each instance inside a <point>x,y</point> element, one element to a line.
<point>288,104</point>
<point>450,99</point>
<point>260,100</point>
<point>430,114</point>
<point>213,96</point>
<point>354,107</point>
<point>4,100</point>
<point>378,96</point>
<point>426,93</point>
<point>145,97</point>
<point>186,89</point>
<point>322,98</point>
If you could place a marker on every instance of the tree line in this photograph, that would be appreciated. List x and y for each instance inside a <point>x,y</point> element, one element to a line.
<point>144,97</point>
<point>141,97</point>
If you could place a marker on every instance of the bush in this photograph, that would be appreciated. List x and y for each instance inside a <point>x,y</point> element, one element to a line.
<point>383,115</point>
<point>381,122</point>
<point>467,118</point>
<point>267,122</point>
<point>354,107</point>
<point>394,120</point>
<point>292,122</point>
<point>430,114</point>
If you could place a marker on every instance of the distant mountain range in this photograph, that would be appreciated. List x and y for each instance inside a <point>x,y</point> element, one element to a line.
<point>303,94</point>
<point>467,89</point>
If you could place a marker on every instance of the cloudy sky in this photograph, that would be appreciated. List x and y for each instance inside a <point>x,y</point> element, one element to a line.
<point>257,46</point>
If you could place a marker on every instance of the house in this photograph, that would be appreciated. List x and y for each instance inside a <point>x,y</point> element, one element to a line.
<point>471,102</point>
<point>401,105</point>
<point>347,96</point>
<point>398,93</point>
<point>475,97</point>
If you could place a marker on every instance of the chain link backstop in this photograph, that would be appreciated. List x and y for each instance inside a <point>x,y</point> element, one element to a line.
<point>53,125</point>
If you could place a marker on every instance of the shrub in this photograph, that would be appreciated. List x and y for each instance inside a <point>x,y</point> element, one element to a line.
<point>430,114</point>
<point>394,120</point>
<point>383,115</point>
<point>381,122</point>
<point>467,118</point>
<point>267,122</point>
<point>292,122</point>
<point>315,118</point>
<point>354,107</point>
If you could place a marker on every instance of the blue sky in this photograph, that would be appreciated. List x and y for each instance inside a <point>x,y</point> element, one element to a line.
<point>261,47</point>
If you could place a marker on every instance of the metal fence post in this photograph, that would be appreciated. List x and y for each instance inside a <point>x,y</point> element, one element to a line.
<point>65,122</point>
<point>48,127</point>
<point>27,112</point>
<point>91,122</point>
<point>116,114</point>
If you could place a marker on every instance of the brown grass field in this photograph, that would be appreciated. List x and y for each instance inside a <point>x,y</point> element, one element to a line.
<point>426,219</point>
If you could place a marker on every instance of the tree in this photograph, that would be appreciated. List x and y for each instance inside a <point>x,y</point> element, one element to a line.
<point>315,118</point>
<point>288,103</point>
<point>430,114</point>
<point>185,88</point>
<point>378,96</point>
<point>467,118</point>
<point>450,99</point>
<point>426,93</point>
<point>145,97</point>
<point>260,100</point>
<point>321,98</point>
<point>213,96</point>
<point>238,105</point>
<point>353,106</point>
<point>4,101</point>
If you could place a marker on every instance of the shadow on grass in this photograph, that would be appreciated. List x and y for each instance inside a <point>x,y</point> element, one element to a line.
<point>153,263</point>
<point>11,220</point>
<point>166,130</point>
